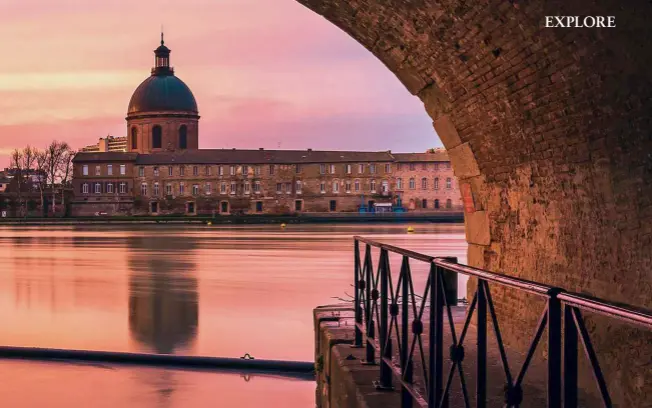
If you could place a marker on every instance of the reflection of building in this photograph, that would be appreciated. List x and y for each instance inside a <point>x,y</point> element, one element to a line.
<point>163,171</point>
<point>163,308</point>
<point>108,144</point>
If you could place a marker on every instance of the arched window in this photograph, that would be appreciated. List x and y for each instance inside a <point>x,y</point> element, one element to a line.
<point>157,137</point>
<point>449,183</point>
<point>424,203</point>
<point>134,138</point>
<point>412,183</point>
<point>436,204</point>
<point>336,186</point>
<point>436,183</point>
<point>449,203</point>
<point>183,137</point>
<point>424,183</point>
<point>399,184</point>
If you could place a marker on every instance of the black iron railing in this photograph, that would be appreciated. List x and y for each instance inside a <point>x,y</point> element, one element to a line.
<point>400,313</point>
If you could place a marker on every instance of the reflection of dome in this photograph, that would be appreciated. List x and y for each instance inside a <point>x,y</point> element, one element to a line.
<point>163,297</point>
<point>162,93</point>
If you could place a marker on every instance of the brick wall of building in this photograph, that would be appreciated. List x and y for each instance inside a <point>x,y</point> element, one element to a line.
<point>159,187</point>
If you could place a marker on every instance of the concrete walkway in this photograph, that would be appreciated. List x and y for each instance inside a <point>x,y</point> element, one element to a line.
<point>344,382</point>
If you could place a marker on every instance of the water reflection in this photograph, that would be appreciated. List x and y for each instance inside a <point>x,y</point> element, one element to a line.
<point>163,297</point>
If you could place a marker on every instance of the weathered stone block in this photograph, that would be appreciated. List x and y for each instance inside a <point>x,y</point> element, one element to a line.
<point>464,162</point>
<point>446,131</point>
<point>477,228</point>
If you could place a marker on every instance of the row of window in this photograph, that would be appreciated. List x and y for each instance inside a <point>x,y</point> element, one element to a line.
<point>244,169</point>
<point>281,188</point>
<point>435,204</point>
<point>109,170</point>
<point>257,170</point>
<point>425,166</point>
<point>424,183</point>
<point>108,188</point>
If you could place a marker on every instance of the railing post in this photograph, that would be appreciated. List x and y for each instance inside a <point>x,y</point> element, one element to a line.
<point>481,369</point>
<point>450,279</point>
<point>370,355</point>
<point>436,347</point>
<point>570,359</point>
<point>554,350</point>
<point>406,361</point>
<point>358,281</point>
<point>385,341</point>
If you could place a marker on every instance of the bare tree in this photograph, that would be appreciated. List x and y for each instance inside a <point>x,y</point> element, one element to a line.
<point>41,169</point>
<point>22,162</point>
<point>16,165</point>
<point>55,155</point>
<point>66,172</point>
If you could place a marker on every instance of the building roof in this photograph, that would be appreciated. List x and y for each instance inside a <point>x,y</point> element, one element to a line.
<point>437,155</point>
<point>104,157</point>
<point>233,156</point>
<point>162,93</point>
<point>237,156</point>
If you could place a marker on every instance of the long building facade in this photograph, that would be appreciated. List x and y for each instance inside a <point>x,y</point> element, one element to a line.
<point>163,171</point>
<point>262,181</point>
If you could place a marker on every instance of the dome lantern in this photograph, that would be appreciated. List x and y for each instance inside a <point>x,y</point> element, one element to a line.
<point>162,60</point>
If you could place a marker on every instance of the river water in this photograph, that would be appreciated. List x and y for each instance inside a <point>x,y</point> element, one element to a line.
<point>199,290</point>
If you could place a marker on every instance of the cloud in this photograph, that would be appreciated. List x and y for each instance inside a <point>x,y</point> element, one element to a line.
<point>262,71</point>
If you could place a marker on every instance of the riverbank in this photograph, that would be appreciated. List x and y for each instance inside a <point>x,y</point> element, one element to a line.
<point>438,217</point>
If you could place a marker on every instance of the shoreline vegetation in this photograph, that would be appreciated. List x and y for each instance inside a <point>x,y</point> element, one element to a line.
<point>342,218</point>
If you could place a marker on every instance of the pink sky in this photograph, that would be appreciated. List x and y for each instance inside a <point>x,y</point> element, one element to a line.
<point>264,72</point>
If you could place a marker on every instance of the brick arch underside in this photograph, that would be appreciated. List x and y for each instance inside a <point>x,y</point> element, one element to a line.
<point>551,129</point>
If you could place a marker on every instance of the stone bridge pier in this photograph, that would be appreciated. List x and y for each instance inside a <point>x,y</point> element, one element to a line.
<point>551,130</point>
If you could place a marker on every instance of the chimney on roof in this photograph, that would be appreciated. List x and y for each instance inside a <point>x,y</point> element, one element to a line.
<point>389,151</point>
<point>233,148</point>
<point>260,148</point>
<point>310,150</point>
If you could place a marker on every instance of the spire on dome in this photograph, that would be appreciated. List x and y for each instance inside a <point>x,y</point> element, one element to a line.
<point>162,61</point>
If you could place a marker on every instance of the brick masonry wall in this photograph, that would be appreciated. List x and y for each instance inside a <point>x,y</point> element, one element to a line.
<point>436,177</point>
<point>345,183</point>
<point>169,132</point>
<point>551,129</point>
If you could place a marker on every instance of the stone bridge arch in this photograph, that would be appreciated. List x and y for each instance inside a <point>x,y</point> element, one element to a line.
<point>551,129</point>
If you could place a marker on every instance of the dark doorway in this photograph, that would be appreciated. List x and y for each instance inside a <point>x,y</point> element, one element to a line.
<point>371,204</point>
<point>424,203</point>
<point>191,208</point>
<point>154,207</point>
<point>298,205</point>
<point>333,205</point>
<point>436,204</point>
<point>224,207</point>
<point>259,206</point>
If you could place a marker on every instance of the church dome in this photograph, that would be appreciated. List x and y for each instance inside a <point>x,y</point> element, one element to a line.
<point>162,93</point>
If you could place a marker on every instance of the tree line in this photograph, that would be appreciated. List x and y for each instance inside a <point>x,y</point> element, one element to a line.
<point>51,166</point>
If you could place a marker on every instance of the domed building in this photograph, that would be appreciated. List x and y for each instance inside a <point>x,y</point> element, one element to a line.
<point>160,170</point>
<point>162,113</point>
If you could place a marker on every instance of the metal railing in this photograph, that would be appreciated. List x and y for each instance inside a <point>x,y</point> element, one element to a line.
<point>378,302</point>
